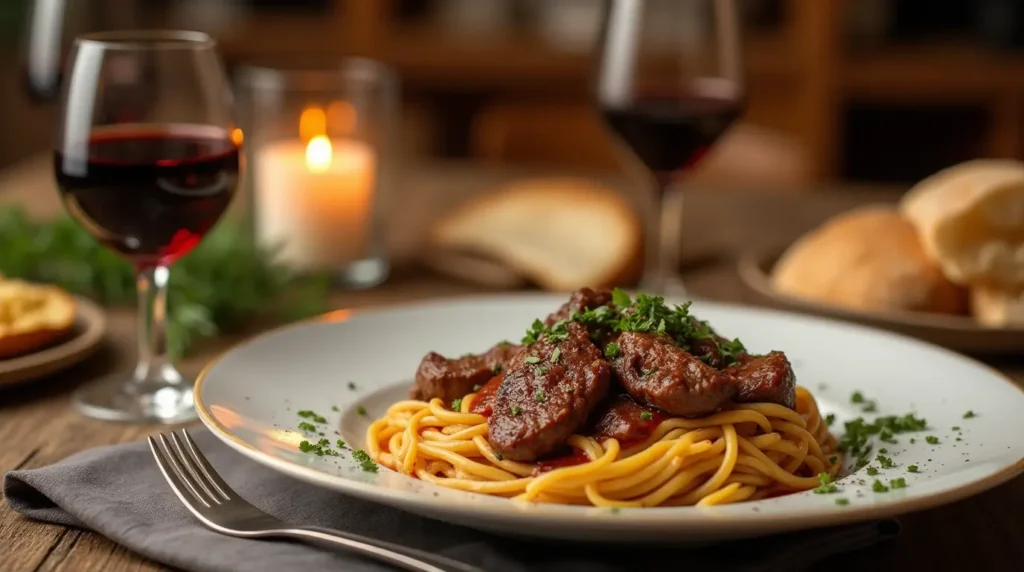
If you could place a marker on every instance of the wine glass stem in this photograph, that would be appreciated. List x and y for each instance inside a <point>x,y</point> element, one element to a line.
<point>151,283</point>
<point>664,233</point>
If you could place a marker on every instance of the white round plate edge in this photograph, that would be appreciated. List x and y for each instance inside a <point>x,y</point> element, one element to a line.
<point>691,523</point>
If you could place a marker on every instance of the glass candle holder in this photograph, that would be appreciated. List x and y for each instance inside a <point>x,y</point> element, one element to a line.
<point>321,165</point>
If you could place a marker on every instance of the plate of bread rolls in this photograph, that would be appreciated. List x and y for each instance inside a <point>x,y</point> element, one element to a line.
<point>43,329</point>
<point>944,264</point>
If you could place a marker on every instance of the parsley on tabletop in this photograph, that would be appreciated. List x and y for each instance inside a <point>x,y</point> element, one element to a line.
<point>912,468</point>
<point>225,285</point>
<point>969,414</point>
<point>932,440</point>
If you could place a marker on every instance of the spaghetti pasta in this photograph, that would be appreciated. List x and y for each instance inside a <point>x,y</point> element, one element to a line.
<point>745,452</point>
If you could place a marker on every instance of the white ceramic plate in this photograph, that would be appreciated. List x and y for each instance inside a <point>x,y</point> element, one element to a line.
<point>250,398</point>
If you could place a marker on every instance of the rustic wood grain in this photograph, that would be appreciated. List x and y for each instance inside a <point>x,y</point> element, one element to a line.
<point>38,426</point>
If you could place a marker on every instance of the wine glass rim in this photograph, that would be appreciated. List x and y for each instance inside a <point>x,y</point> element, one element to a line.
<point>149,39</point>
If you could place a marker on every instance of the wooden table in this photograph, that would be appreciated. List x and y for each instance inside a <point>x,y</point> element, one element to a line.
<point>39,427</point>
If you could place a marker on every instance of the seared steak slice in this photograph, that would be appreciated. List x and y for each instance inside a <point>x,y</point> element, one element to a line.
<point>621,418</point>
<point>765,379</point>
<point>452,378</point>
<point>548,391</point>
<point>656,372</point>
<point>580,301</point>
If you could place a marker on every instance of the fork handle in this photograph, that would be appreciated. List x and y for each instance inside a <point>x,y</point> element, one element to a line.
<point>400,556</point>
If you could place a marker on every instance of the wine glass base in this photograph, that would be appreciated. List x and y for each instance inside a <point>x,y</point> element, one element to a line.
<point>160,398</point>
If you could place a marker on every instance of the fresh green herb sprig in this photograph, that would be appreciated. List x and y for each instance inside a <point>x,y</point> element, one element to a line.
<point>221,287</point>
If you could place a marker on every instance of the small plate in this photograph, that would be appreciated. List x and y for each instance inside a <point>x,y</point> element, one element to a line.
<point>90,325</point>
<point>960,333</point>
<point>250,398</point>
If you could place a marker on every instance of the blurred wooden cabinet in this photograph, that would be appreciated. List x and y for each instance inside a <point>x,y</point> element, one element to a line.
<point>804,70</point>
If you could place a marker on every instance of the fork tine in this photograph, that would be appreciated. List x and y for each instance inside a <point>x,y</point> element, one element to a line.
<point>182,473</point>
<point>164,461</point>
<point>194,470</point>
<point>206,468</point>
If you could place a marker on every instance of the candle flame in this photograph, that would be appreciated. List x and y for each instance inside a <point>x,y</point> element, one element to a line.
<point>319,154</point>
<point>237,137</point>
<point>312,123</point>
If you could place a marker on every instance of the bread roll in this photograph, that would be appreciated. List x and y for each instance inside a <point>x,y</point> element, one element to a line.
<point>997,307</point>
<point>560,233</point>
<point>32,316</point>
<point>971,221</point>
<point>868,259</point>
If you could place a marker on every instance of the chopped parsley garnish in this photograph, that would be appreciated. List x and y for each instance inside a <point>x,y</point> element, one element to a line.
<point>871,407</point>
<point>499,456</point>
<point>556,354</point>
<point>899,483</point>
<point>842,501</point>
<point>612,351</point>
<point>885,462</point>
<point>361,410</point>
<point>911,468</point>
<point>307,414</point>
<point>543,370</point>
<point>912,440</point>
<point>647,314</point>
<point>872,471</point>
<point>340,444</point>
<point>320,448</point>
<point>616,510</point>
<point>969,414</point>
<point>956,428</point>
<point>857,439</point>
<point>307,427</point>
<point>648,372</point>
<point>959,439</point>
<point>932,440</point>
<point>497,368</point>
<point>878,487</point>
<point>540,396</point>
<point>531,359</point>
<point>830,419</point>
<point>857,397</point>
<point>833,459</point>
<point>457,405</point>
<point>335,408</point>
<point>352,385</point>
<point>477,387</point>
<point>884,451</point>
<point>646,415</point>
<point>365,462</point>
<point>827,486</point>
<point>516,410</point>
<point>504,343</point>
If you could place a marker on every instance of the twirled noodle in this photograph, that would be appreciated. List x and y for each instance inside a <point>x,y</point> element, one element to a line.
<point>748,452</point>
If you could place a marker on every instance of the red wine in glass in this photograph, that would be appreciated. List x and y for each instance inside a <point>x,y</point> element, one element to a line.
<point>149,192</point>
<point>672,133</point>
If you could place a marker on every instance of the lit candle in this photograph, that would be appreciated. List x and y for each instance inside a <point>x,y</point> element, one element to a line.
<point>315,200</point>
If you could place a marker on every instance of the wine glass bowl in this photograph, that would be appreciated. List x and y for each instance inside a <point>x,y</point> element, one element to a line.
<point>669,84</point>
<point>147,161</point>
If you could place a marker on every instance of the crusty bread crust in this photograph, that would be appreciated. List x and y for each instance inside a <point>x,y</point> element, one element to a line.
<point>970,218</point>
<point>32,317</point>
<point>560,233</point>
<point>869,258</point>
<point>997,307</point>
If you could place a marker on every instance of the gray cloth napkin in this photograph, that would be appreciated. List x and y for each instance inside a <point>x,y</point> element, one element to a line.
<point>118,491</point>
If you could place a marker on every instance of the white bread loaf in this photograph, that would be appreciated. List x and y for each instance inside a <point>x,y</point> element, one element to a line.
<point>869,258</point>
<point>970,218</point>
<point>997,307</point>
<point>560,233</point>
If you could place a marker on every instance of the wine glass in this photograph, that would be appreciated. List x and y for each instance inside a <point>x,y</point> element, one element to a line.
<point>147,161</point>
<point>669,83</point>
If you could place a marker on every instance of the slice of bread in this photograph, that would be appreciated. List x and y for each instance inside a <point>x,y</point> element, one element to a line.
<point>971,221</point>
<point>32,316</point>
<point>560,233</point>
<point>869,258</point>
<point>996,307</point>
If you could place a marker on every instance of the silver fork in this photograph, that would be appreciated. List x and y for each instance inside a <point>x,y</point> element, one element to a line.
<point>216,505</point>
